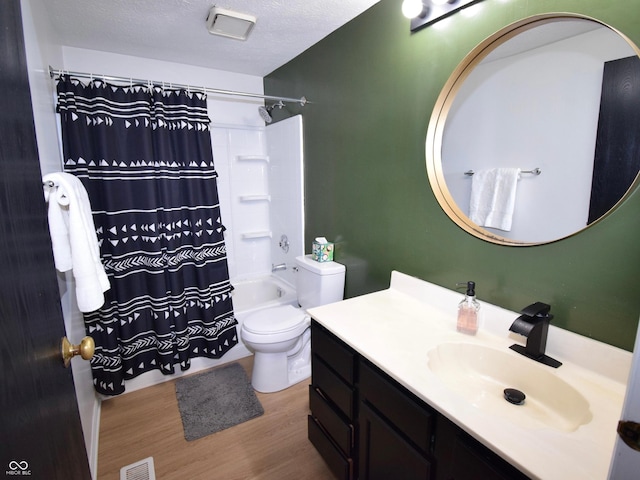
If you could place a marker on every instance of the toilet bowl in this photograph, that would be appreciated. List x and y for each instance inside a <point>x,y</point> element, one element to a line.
<point>277,336</point>
<point>280,337</point>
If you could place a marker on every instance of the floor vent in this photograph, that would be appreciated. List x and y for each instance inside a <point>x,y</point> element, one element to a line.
<point>142,470</point>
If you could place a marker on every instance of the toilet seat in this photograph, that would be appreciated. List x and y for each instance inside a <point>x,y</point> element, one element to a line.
<point>275,324</point>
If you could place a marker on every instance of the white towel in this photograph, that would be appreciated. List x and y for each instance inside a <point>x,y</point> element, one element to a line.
<point>73,238</point>
<point>493,197</point>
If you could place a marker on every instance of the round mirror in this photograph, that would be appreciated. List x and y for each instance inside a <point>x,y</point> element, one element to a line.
<point>536,134</point>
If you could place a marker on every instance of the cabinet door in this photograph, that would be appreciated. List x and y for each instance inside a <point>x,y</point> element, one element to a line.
<point>384,454</point>
<point>396,405</point>
<point>461,457</point>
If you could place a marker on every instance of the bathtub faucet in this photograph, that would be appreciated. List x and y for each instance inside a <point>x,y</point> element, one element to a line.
<point>280,266</point>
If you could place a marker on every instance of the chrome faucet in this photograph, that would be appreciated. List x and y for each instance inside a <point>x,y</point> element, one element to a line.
<point>534,324</point>
<point>280,266</point>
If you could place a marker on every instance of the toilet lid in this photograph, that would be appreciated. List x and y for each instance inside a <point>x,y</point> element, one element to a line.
<point>274,320</point>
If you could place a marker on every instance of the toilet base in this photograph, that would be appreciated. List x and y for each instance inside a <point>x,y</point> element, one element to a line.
<point>273,372</point>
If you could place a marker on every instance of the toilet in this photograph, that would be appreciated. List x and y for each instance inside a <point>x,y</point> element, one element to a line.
<point>280,337</point>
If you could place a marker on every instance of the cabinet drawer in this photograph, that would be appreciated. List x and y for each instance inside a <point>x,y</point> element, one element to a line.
<point>334,352</point>
<point>341,467</point>
<point>341,431</point>
<point>392,401</point>
<point>332,387</point>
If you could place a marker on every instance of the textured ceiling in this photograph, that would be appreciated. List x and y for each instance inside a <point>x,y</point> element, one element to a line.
<point>175,30</point>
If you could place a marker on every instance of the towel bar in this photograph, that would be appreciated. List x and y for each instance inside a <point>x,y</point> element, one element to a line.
<point>535,171</point>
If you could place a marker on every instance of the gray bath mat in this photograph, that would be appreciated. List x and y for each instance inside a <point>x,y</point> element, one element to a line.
<point>215,400</point>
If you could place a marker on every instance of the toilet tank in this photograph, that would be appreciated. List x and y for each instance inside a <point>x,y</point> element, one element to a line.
<point>319,283</point>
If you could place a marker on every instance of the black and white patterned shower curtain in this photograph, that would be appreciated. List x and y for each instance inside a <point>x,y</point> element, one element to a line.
<point>144,155</point>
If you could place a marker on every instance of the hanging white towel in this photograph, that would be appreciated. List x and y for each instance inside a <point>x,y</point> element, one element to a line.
<point>73,238</point>
<point>493,197</point>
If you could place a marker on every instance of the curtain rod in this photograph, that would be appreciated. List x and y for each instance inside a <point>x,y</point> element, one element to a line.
<point>53,72</point>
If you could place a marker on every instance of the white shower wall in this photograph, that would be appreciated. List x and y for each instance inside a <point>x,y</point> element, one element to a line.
<point>241,162</point>
<point>286,182</point>
<point>260,184</point>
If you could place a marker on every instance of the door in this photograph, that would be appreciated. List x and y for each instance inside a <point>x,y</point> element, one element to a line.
<point>617,154</point>
<point>625,462</point>
<point>40,431</point>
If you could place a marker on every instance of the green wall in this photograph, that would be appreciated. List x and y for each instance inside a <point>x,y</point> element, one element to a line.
<point>373,85</point>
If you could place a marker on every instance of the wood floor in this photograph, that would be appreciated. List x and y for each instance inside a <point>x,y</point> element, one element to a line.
<point>147,423</point>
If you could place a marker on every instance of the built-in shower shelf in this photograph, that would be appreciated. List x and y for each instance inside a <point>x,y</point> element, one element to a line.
<point>252,235</point>
<point>255,198</point>
<point>252,158</point>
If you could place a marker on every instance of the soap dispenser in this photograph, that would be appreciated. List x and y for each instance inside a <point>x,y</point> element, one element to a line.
<point>468,311</point>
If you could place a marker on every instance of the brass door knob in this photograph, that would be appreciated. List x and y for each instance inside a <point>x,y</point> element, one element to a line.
<point>85,349</point>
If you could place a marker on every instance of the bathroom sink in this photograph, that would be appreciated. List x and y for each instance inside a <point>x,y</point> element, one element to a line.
<point>480,374</point>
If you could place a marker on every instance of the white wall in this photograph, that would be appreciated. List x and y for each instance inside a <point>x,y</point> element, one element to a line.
<point>42,49</point>
<point>501,127</point>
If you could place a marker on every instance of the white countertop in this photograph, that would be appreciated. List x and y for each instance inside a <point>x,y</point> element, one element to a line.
<point>396,328</point>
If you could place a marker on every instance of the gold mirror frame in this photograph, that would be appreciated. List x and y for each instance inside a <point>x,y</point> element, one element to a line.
<point>435,131</point>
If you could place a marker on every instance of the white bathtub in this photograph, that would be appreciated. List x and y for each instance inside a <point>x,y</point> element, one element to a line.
<point>257,293</point>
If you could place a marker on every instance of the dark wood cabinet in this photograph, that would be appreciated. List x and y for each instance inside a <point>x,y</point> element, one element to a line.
<point>333,402</point>
<point>407,413</point>
<point>369,427</point>
<point>461,457</point>
<point>385,453</point>
<point>396,430</point>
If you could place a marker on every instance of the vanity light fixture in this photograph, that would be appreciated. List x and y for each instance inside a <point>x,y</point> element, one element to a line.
<point>227,23</point>
<point>425,12</point>
<point>413,8</point>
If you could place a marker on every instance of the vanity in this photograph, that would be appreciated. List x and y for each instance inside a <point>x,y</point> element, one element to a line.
<point>397,392</point>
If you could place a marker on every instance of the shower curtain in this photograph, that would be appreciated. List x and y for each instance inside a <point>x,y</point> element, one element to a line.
<point>144,155</point>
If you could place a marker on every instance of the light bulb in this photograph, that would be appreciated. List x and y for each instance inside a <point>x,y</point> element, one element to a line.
<point>412,8</point>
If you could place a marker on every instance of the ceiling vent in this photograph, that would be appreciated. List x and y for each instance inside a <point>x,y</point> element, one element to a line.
<point>230,24</point>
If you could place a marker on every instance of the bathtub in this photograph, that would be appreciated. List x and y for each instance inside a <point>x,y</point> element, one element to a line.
<point>257,293</point>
